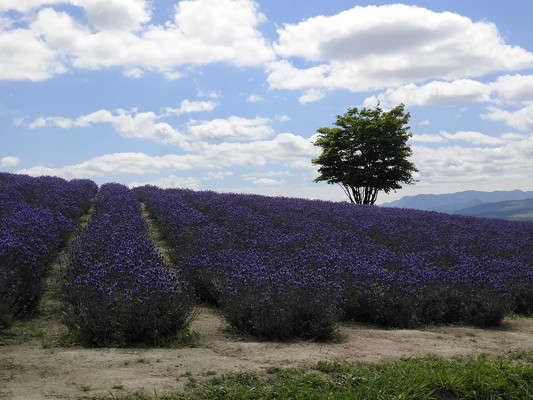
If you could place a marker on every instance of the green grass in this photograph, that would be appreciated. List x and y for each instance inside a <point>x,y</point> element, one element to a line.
<point>426,378</point>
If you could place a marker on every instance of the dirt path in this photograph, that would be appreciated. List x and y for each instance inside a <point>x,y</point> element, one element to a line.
<point>29,371</point>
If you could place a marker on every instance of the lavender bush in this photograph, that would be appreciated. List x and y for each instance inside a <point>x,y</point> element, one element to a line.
<point>267,296</point>
<point>395,267</point>
<point>37,216</point>
<point>118,287</point>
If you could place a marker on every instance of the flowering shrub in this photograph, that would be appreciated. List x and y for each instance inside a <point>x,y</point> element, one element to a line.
<point>255,256</point>
<point>118,287</point>
<point>191,237</point>
<point>268,296</point>
<point>37,216</point>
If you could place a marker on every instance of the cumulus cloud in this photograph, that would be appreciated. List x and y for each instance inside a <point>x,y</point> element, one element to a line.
<point>115,15</point>
<point>267,181</point>
<point>288,148</point>
<point>470,137</point>
<point>513,88</point>
<point>118,33</point>
<point>282,118</point>
<point>134,73</point>
<point>426,138</point>
<point>232,128</point>
<point>254,98</point>
<point>521,119</point>
<point>475,164</point>
<point>506,89</point>
<point>9,161</point>
<point>219,175</point>
<point>475,138</point>
<point>24,55</point>
<point>119,163</point>
<point>26,5</point>
<point>132,123</point>
<point>187,106</point>
<point>374,47</point>
<point>433,93</point>
<point>171,181</point>
<point>312,95</point>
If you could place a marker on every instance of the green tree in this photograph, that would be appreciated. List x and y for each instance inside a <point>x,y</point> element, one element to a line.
<point>366,152</point>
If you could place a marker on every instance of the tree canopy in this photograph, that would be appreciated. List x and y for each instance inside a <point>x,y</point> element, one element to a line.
<point>366,152</point>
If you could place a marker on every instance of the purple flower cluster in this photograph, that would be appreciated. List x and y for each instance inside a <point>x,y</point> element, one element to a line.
<point>276,266</point>
<point>37,216</point>
<point>118,287</point>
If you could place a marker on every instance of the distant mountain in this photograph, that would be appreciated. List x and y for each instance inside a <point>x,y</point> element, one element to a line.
<point>454,202</point>
<point>517,210</point>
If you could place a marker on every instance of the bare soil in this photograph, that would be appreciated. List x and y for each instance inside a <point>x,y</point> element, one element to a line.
<point>30,370</point>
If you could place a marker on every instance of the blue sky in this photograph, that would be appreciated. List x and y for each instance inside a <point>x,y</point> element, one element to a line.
<point>227,95</point>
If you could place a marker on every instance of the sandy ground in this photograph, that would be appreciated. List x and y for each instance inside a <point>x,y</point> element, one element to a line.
<point>29,371</point>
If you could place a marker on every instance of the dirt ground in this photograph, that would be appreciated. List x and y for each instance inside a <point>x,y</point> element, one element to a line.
<point>30,371</point>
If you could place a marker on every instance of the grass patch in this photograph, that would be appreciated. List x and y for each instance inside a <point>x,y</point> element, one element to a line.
<point>186,338</point>
<point>21,331</point>
<point>429,378</point>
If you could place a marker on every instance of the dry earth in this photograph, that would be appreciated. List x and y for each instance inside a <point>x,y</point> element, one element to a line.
<point>30,371</point>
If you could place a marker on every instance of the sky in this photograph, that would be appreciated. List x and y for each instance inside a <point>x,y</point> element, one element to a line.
<point>227,95</point>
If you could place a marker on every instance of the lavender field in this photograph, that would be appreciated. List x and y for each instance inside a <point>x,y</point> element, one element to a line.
<point>275,268</point>
<point>283,268</point>
<point>37,216</point>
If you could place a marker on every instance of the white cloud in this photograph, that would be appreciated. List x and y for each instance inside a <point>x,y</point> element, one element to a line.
<point>267,181</point>
<point>115,15</point>
<point>285,147</point>
<point>134,73</point>
<point>9,162</point>
<point>425,138</point>
<point>24,55</point>
<point>232,128</point>
<point>172,75</point>
<point>476,138</point>
<point>471,137</point>
<point>376,47</point>
<point>521,119</point>
<point>132,124</point>
<point>514,88</point>
<point>40,123</point>
<point>278,173</point>
<point>171,181</point>
<point>482,164</point>
<point>506,89</point>
<point>119,34</point>
<point>119,163</point>
<point>267,178</point>
<point>283,75</point>
<point>312,95</point>
<point>282,118</point>
<point>26,5</point>
<point>187,107</point>
<point>433,93</point>
<point>60,122</point>
<point>512,137</point>
<point>288,148</point>
<point>18,121</point>
<point>254,98</point>
<point>210,94</point>
<point>220,175</point>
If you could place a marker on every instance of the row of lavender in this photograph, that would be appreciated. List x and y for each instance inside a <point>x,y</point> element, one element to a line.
<point>282,268</point>
<point>117,286</point>
<point>37,216</point>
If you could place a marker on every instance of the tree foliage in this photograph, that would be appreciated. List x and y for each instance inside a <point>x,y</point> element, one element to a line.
<point>366,152</point>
